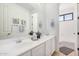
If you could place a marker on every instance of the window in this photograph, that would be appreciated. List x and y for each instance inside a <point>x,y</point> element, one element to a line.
<point>61,18</point>
<point>66,17</point>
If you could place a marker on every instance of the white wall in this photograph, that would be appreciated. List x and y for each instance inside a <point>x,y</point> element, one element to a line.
<point>47,14</point>
<point>51,16</point>
<point>42,18</point>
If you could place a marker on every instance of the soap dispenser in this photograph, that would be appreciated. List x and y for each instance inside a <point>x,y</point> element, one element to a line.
<point>34,36</point>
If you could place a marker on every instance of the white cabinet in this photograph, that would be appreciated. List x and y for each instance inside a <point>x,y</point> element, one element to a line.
<point>39,50</point>
<point>47,48</point>
<point>50,46</point>
<point>28,53</point>
<point>53,44</point>
<point>43,49</point>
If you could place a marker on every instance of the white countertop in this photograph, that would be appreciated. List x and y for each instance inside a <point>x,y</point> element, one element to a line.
<point>13,49</point>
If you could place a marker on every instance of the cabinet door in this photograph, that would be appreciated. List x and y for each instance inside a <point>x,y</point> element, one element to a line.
<point>48,47</point>
<point>53,44</point>
<point>39,50</point>
<point>26,53</point>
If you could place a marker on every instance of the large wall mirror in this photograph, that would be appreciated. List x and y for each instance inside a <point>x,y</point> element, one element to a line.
<point>15,19</point>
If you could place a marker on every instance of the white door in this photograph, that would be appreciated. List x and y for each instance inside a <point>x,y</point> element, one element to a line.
<point>68,28</point>
<point>67,31</point>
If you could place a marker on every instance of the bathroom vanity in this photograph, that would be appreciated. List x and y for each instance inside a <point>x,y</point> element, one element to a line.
<point>42,48</point>
<point>45,46</point>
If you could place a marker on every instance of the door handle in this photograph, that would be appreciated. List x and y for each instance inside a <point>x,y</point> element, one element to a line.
<point>77,33</point>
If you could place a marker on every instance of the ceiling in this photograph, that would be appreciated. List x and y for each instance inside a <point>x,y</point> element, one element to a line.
<point>64,6</point>
<point>33,7</point>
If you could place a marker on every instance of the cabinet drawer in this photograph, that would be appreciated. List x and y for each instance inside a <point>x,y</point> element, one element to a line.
<point>53,44</point>
<point>48,47</point>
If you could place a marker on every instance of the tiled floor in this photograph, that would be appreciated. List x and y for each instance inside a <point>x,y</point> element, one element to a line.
<point>58,53</point>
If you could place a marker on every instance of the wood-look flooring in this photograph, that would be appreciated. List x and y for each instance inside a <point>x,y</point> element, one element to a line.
<point>58,53</point>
